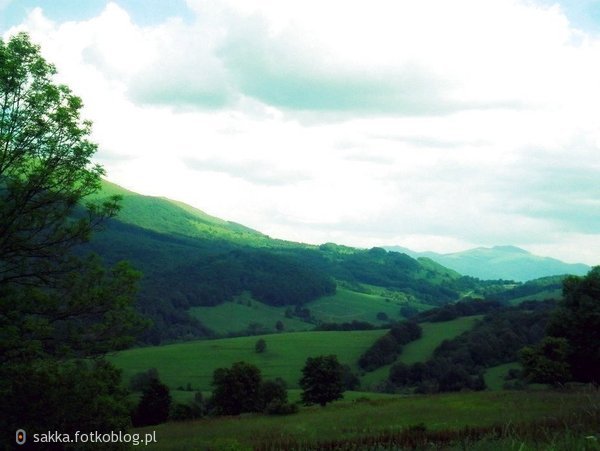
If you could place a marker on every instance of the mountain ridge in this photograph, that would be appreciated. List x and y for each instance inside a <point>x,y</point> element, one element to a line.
<point>499,262</point>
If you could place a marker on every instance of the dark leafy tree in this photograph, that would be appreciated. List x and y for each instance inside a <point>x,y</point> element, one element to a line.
<point>154,406</point>
<point>382,352</point>
<point>387,348</point>
<point>546,362</point>
<point>56,306</point>
<point>236,389</point>
<point>140,381</point>
<point>279,326</point>
<point>577,320</point>
<point>322,380</point>
<point>273,393</point>
<point>399,374</point>
<point>260,346</point>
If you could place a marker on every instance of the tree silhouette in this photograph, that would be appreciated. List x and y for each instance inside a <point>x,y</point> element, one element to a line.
<point>322,380</point>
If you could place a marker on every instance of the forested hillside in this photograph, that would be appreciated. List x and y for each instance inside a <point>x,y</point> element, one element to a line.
<point>191,259</point>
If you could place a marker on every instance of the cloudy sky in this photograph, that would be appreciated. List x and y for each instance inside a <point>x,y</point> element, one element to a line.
<point>431,124</point>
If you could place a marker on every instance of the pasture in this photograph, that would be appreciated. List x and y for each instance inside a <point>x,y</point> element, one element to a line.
<point>285,355</point>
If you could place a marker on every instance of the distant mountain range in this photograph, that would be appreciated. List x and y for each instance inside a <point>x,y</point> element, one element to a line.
<point>499,262</point>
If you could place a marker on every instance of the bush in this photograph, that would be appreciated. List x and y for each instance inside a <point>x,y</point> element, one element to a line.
<point>260,346</point>
<point>154,406</point>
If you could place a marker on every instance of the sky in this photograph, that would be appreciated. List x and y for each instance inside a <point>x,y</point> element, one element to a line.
<point>428,124</point>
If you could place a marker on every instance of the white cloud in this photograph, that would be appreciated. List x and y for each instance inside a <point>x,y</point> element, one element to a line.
<point>431,124</point>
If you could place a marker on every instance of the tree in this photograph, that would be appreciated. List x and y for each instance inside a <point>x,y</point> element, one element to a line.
<point>260,346</point>
<point>322,380</point>
<point>140,381</point>
<point>236,389</point>
<point>546,363</point>
<point>279,326</point>
<point>570,351</point>
<point>577,320</point>
<point>58,307</point>
<point>273,394</point>
<point>154,406</point>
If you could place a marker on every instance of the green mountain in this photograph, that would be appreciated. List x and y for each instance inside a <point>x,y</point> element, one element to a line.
<point>190,260</point>
<point>172,217</point>
<point>500,262</point>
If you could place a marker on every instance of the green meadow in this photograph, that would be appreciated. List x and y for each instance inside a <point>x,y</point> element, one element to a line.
<point>194,362</point>
<point>242,313</point>
<point>495,376</point>
<point>346,306</point>
<point>286,353</point>
<point>353,423</point>
<point>433,335</point>
<point>422,349</point>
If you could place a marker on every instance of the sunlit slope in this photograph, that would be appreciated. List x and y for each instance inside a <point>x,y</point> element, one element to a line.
<point>172,217</point>
<point>285,355</point>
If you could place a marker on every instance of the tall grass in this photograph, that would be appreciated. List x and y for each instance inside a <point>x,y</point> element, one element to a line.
<point>482,420</point>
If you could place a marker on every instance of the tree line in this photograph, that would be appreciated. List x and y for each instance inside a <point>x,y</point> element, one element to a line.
<point>239,389</point>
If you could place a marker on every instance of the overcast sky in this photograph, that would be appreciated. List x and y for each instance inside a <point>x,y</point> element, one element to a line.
<point>434,125</point>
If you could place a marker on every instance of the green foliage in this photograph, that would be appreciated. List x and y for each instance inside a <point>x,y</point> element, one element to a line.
<point>236,389</point>
<point>140,381</point>
<point>188,267</point>
<point>241,389</point>
<point>570,351</point>
<point>62,396</point>
<point>195,361</point>
<point>58,307</point>
<point>194,409</point>
<point>154,406</point>
<point>387,348</point>
<point>546,363</point>
<point>577,320</point>
<point>260,346</point>
<point>510,421</point>
<point>433,335</point>
<point>322,380</point>
<point>274,398</point>
<point>459,363</point>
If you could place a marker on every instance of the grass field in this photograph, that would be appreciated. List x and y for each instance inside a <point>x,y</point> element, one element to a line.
<point>346,306</point>
<point>494,377</point>
<point>286,353</point>
<point>422,349</point>
<point>433,334</point>
<point>369,421</point>
<point>236,316</point>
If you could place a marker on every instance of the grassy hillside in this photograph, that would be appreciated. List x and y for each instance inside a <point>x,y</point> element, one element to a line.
<point>433,334</point>
<point>422,349</point>
<point>171,217</point>
<point>347,306</point>
<point>192,261</point>
<point>286,354</point>
<point>194,362</point>
<point>245,314</point>
<point>368,423</point>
